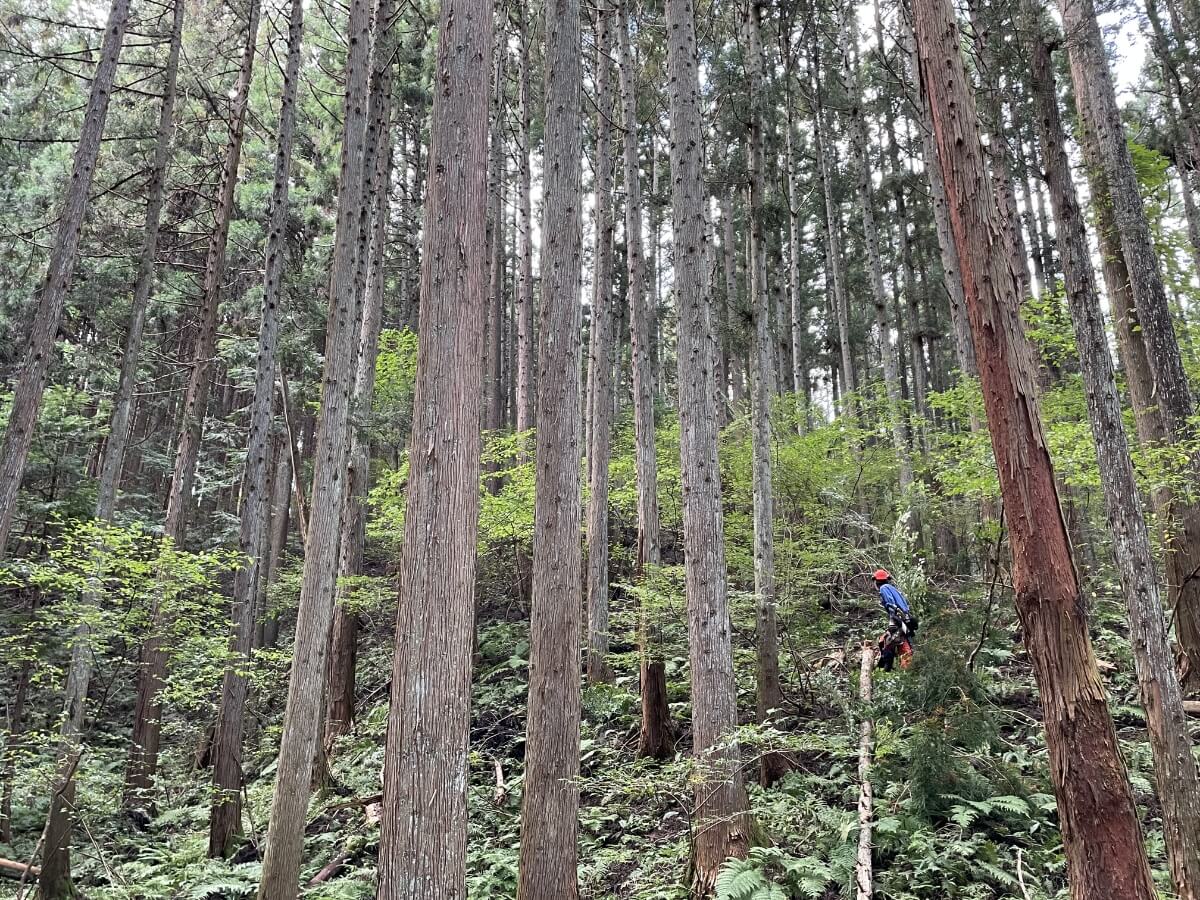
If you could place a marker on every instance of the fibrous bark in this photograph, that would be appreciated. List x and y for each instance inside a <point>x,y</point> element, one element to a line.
<point>1170,740</point>
<point>549,813</point>
<point>422,851</point>
<point>1101,832</point>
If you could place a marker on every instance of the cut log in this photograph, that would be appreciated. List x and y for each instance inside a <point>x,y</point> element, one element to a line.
<point>863,880</point>
<point>15,869</point>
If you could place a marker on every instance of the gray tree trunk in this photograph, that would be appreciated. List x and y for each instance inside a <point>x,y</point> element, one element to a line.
<point>889,354</point>
<point>372,242</point>
<point>147,722</point>
<point>225,821</point>
<point>770,695</point>
<point>52,297</point>
<point>721,826</point>
<point>549,813</point>
<point>525,312</point>
<point>1170,739</point>
<point>1096,98</point>
<point>302,719</point>
<point>655,737</point>
<point>601,359</point>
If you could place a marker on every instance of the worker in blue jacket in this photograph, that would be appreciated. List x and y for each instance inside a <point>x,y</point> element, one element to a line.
<point>902,624</point>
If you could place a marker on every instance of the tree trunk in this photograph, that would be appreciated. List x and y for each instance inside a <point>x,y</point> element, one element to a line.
<point>497,165</point>
<point>147,723</point>
<point>952,278</point>
<point>770,695</point>
<point>423,850</point>
<point>525,313</point>
<point>1101,833</point>
<point>889,355</point>
<point>721,829</point>
<point>1170,740</point>
<point>225,821</point>
<point>55,877</point>
<point>601,362</point>
<point>656,739</point>
<point>52,297</point>
<point>729,264</point>
<point>549,814</point>
<point>1098,110</point>
<point>377,165</point>
<point>835,272</point>
<point>113,462</point>
<point>863,878</point>
<point>281,491</point>
<point>301,724</point>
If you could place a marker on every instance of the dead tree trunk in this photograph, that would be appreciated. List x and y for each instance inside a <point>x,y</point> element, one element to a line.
<point>225,821</point>
<point>863,876</point>
<point>721,827</point>
<point>147,723</point>
<point>1170,740</point>
<point>301,724</point>
<point>1101,833</point>
<point>52,297</point>
<point>549,814</point>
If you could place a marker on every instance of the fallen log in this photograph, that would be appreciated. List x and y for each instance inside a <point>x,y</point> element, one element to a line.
<point>15,869</point>
<point>332,868</point>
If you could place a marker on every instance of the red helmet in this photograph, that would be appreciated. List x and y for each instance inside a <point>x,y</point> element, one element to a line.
<point>882,575</point>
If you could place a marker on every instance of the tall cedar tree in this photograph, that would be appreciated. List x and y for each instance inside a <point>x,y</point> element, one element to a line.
<point>762,368</point>
<point>302,718</point>
<point>52,297</point>
<point>1101,833</point>
<point>1097,101</point>
<point>1170,740</point>
<point>142,766</point>
<point>601,359</point>
<point>549,813</point>
<point>655,737</point>
<point>225,820</point>
<point>371,256</point>
<point>422,850</point>
<point>721,826</point>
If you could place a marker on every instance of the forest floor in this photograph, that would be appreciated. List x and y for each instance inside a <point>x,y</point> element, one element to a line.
<point>963,804</point>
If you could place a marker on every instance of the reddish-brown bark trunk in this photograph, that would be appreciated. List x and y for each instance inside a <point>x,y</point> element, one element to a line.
<point>1101,832</point>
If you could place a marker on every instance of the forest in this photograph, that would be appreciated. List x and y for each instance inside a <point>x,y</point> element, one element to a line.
<point>559,450</point>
